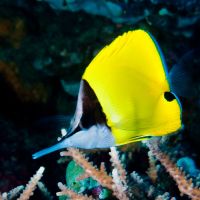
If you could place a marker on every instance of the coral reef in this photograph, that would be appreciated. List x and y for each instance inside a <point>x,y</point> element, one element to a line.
<point>44,48</point>
<point>28,191</point>
<point>121,185</point>
<point>12,31</point>
<point>118,183</point>
<point>34,93</point>
<point>30,187</point>
<point>185,186</point>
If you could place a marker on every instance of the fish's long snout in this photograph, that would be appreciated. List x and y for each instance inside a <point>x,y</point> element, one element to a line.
<point>48,150</point>
<point>94,137</point>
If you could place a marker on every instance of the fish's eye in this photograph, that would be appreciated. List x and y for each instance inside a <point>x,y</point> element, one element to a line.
<point>169,96</point>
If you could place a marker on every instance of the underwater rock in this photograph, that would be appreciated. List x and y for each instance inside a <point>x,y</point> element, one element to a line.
<point>179,4</point>
<point>114,11</point>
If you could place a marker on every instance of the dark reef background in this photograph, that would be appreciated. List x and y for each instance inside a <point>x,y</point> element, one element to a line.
<point>45,47</point>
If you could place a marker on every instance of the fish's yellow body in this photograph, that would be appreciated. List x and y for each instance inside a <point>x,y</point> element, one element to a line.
<point>124,95</point>
<point>129,79</point>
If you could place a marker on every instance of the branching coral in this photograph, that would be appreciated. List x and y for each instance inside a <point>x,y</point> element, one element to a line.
<point>137,187</point>
<point>152,171</point>
<point>117,183</point>
<point>28,191</point>
<point>71,194</point>
<point>100,176</point>
<point>12,194</point>
<point>44,190</point>
<point>119,175</point>
<point>116,163</point>
<point>123,187</point>
<point>31,186</point>
<point>185,186</point>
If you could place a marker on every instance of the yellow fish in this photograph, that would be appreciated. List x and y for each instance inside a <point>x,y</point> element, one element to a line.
<point>124,97</point>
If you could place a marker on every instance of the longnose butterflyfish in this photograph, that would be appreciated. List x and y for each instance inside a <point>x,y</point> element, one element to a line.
<point>124,96</point>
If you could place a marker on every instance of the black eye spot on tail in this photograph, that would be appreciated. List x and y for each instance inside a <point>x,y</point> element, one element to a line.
<point>169,96</point>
